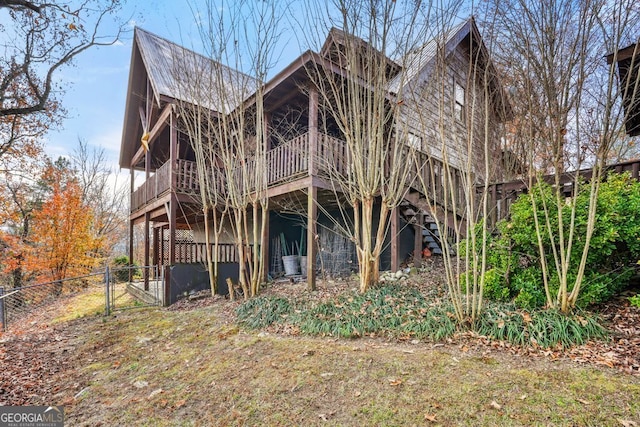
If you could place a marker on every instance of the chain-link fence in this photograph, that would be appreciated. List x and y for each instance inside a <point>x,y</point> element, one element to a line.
<point>100,292</point>
<point>132,287</point>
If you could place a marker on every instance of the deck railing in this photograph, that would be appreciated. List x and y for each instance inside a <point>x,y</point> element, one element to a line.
<point>196,252</point>
<point>286,162</point>
<point>503,194</point>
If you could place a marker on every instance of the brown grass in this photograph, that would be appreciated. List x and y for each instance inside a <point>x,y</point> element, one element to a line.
<point>161,367</point>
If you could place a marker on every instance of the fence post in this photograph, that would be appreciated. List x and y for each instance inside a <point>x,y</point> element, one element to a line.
<point>107,300</point>
<point>2,316</point>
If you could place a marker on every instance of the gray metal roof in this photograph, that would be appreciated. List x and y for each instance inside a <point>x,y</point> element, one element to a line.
<point>184,75</point>
<point>415,61</point>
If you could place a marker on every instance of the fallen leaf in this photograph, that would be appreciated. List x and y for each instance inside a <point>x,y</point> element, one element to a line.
<point>430,417</point>
<point>495,405</point>
<point>627,423</point>
<point>523,397</point>
<point>395,382</point>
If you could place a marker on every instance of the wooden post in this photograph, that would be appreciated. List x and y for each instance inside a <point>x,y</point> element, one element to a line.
<point>173,157</point>
<point>395,239</point>
<point>417,241</point>
<point>313,131</point>
<point>145,267</point>
<point>264,249</point>
<point>156,249</point>
<point>312,247</point>
<point>131,224</point>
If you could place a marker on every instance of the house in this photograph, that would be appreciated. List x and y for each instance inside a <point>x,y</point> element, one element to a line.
<point>165,209</point>
<point>628,60</point>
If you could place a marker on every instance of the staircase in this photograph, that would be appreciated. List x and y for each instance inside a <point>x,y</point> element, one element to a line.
<point>415,211</point>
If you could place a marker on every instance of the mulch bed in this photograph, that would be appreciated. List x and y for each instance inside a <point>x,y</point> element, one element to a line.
<point>621,351</point>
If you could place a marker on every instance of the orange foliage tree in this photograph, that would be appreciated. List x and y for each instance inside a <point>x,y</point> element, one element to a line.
<point>62,238</point>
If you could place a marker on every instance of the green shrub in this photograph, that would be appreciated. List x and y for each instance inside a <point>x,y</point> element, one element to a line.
<point>390,310</point>
<point>635,300</point>
<point>544,328</point>
<point>514,264</point>
<point>121,269</point>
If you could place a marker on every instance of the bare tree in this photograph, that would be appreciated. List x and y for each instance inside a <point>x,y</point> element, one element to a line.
<point>568,115</point>
<point>44,36</point>
<point>361,91</point>
<point>102,191</point>
<point>230,139</point>
<point>458,108</point>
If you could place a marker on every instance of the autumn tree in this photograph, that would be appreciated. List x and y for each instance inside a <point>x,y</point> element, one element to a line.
<point>39,38</point>
<point>20,195</point>
<point>62,240</point>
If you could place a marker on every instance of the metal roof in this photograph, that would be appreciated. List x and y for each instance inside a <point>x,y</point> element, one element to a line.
<point>184,75</point>
<point>416,60</point>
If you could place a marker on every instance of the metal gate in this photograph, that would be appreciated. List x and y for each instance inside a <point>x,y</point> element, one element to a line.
<point>100,292</point>
<point>133,287</point>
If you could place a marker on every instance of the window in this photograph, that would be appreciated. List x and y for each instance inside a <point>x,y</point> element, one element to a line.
<point>414,141</point>
<point>458,106</point>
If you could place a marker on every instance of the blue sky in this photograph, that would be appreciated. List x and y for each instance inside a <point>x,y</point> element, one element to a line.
<point>96,84</point>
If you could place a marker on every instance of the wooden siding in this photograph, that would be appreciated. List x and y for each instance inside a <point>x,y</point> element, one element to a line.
<point>429,113</point>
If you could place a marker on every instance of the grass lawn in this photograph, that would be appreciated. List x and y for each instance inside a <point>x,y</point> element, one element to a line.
<point>161,367</point>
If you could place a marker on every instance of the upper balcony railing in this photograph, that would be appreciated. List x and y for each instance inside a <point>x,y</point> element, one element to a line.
<point>285,163</point>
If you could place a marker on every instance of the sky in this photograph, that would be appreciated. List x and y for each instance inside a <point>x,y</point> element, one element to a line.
<point>96,85</point>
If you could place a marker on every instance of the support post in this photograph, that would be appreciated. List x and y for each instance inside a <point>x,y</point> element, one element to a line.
<point>107,300</point>
<point>173,158</point>
<point>145,268</point>
<point>417,241</point>
<point>313,131</point>
<point>312,246</point>
<point>131,226</point>
<point>395,238</point>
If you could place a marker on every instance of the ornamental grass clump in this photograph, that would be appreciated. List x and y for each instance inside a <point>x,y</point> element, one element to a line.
<point>544,328</point>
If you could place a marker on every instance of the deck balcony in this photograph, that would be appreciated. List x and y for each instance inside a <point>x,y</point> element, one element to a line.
<point>287,162</point>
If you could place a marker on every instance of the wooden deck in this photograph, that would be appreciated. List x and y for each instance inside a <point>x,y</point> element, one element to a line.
<point>502,195</point>
<point>287,162</point>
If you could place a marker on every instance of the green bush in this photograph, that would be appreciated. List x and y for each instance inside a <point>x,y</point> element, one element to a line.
<point>635,300</point>
<point>264,311</point>
<point>514,264</point>
<point>121,268</point>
